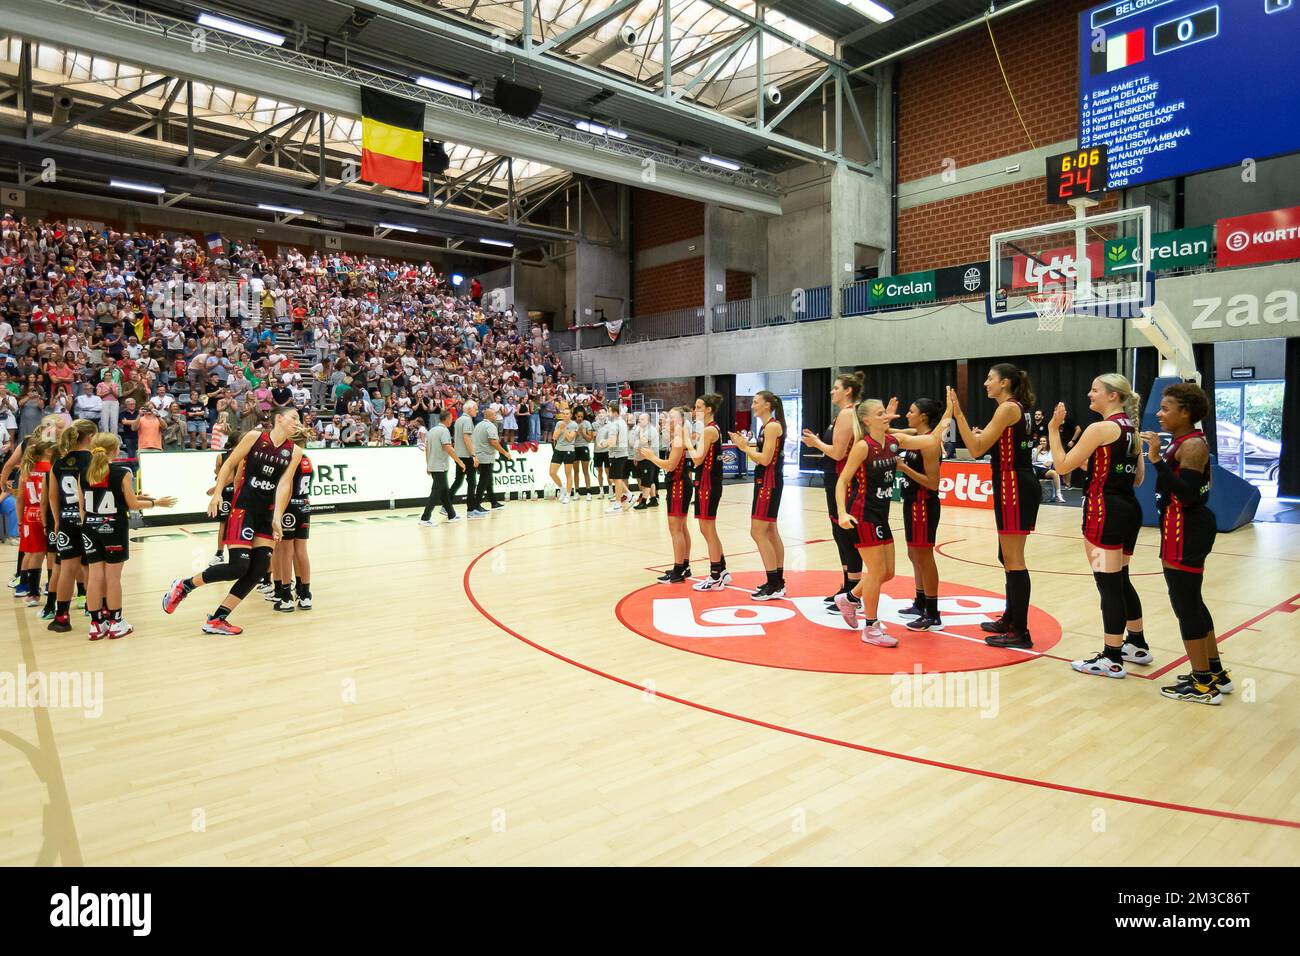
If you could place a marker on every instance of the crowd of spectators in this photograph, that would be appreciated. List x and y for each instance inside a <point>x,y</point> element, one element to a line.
<point>175,345</point>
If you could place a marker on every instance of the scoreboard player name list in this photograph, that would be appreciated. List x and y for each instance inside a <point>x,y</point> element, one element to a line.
<point>1132,121</point>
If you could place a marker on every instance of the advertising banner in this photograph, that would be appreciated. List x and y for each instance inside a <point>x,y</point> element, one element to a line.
<point>966,484</point>
<point>901,289</point>
<point>1261,237</point>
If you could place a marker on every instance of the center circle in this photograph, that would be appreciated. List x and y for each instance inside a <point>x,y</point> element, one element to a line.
<point>799,633</point>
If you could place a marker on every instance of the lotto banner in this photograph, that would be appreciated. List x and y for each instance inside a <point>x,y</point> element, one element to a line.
<point>352,477</point>
<point>966,484</point>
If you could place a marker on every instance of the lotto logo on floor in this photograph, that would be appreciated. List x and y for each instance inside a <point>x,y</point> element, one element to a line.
<point>799,633</point>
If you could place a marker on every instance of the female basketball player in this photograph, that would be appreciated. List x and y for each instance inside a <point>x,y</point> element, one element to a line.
<point>706,455</point>
<point>582,450</point>
<point>862,498</point>
<point>65,496</point>
<point>834,444</point>
<point>47,430</point>
<point>1016,492</point>
<point>562,439</point>
<point>919,467</point>
<point>265,463</point>
<point>1187,532</point>
<point>110,495</point>
<point>33,548</point>
<point>600,453</point>
<point>290,560</point>
<point>227,494</point>
<point>676,466</point>
<point>1112,516</point>
<point>768,457</point>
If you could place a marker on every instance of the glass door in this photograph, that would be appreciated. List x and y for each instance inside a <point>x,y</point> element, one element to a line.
<point>793,407</point>
<point>1249,421</point>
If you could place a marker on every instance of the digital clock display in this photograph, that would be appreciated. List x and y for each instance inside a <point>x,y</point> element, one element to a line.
<point>1078,174</point>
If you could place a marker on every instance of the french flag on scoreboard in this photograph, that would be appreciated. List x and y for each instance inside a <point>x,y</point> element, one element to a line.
<point>1119,52</point>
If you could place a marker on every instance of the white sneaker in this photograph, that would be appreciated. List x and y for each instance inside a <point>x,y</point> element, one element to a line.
<point>1099,667</point>
<point>564,497</point>
<point>477,515</point>
<point>713,584</point>
<point>120,629</point>
<point>1137,655</point>
<point>876,634</point>
<point>614,509</point>
<point>304,603</point>
<point>455,518</point>
<point>425,523</point>
<point>215,560</point>
<point>267,590</point>
<point>15,581</point>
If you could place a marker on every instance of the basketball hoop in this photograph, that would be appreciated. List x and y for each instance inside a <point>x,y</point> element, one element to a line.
<point>1051,308</point>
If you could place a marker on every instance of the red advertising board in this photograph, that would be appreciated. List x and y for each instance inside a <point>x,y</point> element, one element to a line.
<point>1260,237</point>
<point>966,484</point>
<point>1055,266</point>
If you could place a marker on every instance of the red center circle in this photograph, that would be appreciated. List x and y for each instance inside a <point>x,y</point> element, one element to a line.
<point>798,633</point>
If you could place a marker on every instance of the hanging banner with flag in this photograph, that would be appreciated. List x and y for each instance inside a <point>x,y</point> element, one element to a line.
<point>215,245</point>
<point>613,328</point>
<point>392,141</point>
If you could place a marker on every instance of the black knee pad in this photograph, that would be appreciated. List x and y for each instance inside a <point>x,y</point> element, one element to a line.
<point>258,563</point>
<point>1185,597</point>
<point>1111,588</point>
<point>234,567</point>
<point>846,544</point>
<point>1132,603</point>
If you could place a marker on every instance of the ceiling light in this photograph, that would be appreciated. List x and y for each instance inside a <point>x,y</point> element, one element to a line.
<point>497,242</point>
<point>597,130</point>
<point>287,210</point>
<point>136,187</point>
<point>869,9</point>
<point>241,29</point>
<point>451,89</point>
<point>393,225</point>
<point>723,163</point>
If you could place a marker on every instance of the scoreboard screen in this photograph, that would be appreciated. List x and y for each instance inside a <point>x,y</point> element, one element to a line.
<point>1175,87</point>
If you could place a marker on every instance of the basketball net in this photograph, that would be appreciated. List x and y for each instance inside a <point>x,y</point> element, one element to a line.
<point>1052,307</point>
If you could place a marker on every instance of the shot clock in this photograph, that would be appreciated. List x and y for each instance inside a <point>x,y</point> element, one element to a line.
<point>1078,174</point>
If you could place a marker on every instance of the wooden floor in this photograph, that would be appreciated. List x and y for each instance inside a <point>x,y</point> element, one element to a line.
<point>465,694</point>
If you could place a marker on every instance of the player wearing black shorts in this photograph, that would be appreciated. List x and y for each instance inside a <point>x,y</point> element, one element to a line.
<point>705,450</point>
<point>1187,532</point>
<point>227,496</point>
<point>110,497</point>
<point>1112,516</point>
<point>834,444</point>
<point>263,466</point>
<point>677,467</point>
<point>1016,492</point>
<point>919,485</point>
<point>600,453</point>
<point>768,456</point>
<point>291,563</point>
<point>66,493</point>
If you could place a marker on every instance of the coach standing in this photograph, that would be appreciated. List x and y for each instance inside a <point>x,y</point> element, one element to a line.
<point>487,445</point>
<point>439,453</point>
<point>461,432</point>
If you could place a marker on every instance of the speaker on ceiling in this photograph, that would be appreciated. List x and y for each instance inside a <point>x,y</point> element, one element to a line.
<point>516,99</point>
<point>436,160</point>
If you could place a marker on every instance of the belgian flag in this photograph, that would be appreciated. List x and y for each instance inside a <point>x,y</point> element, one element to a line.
<point>392,141</point>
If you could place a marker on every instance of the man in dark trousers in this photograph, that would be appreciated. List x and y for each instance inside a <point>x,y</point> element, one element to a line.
<point>462,449</point>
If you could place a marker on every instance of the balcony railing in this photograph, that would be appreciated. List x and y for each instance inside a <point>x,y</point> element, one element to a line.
<point>665,325</point>
<point>782,308</point>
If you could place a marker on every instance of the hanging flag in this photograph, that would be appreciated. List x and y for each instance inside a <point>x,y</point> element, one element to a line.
<point>215,245</point>
<point>1119,51</point>
<point>392,141</point>
<point>613,328</point>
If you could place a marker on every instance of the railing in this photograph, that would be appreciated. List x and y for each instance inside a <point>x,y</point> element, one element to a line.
<point>664,325</point>
<point>782,308</point>
<point>566,340</point>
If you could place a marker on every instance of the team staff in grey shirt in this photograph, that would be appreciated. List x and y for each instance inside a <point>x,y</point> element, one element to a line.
<point>616,442</point>
<point>460,432</point>
<point>487,445</point>
<point>439,453</point>
<point>600,458</point>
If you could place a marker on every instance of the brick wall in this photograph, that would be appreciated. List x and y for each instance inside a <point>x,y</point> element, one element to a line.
<point>674,285</point>
<point>658,219</point>
<point>739,285</point>
<point>669,391</point>
<point>954,105</point>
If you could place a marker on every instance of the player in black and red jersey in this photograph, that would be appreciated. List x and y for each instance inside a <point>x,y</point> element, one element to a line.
<point>65,500</point>
<point>919,486</point>
<point>110,495</point>
<point>677,466</point>
<point>1112,516</point>
<point>291,562</point>
<point>227,496</point>
<point>33,543</point>
<point>768,457</point>
<point>263,466</point>
<point>834,444</point>
<point>862,498</point>
<point>705,450</point>
<point>1187,532</point>
<point>1016,492</point>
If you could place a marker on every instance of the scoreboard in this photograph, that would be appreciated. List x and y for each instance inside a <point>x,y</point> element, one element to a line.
<point>1175,87</point>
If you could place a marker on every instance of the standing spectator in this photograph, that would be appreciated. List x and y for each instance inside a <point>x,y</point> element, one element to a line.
<point>149,429</point>
<point>107,390</point>
<point>88,405</point>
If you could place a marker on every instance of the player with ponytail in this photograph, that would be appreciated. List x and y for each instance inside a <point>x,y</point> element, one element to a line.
<point>834,444</point>
<point>65,494</point>
<point>768,456</point>
<point>919,467</point>
<point>33,545</point>
<point>1112,516</point>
